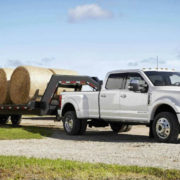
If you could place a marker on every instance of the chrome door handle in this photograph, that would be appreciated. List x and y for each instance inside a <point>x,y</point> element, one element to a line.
<point>123,96</point>
<point>103,95</point>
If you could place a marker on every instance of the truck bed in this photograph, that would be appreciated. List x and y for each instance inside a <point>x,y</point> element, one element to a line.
<point>88,103</point>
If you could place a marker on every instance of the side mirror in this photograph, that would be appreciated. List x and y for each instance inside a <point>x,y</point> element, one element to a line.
<point>138,86</point>
<point>134,85</point>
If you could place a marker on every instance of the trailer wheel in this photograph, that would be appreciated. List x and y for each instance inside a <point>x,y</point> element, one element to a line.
<point>83,126</point>
<point>165,127</point>
<point>16,120</point>
<point>4,119</point>
<point>120,127</point>
<point>72,125</point>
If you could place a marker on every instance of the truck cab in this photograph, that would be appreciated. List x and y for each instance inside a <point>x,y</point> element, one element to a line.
<point>128,97</point>
<point>119,101</point>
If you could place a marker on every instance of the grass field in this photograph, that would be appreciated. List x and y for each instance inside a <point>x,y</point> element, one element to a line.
<point>31,168</point>
<point>24,132</point>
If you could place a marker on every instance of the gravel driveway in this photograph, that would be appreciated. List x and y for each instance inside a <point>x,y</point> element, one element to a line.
<point>97,145</point>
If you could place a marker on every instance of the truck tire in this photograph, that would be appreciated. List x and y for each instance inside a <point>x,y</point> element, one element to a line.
<point>71,124</point>
<point>83,126</point>
<point>120,127</point>
<point>151,135</point>
<point>4,119</point>
<point>166,127</point>
<point>16,120</point>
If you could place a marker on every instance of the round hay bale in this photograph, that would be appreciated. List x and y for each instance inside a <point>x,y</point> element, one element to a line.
<point>5,75</point>
<point>63,72</point>
<point>25,80</point>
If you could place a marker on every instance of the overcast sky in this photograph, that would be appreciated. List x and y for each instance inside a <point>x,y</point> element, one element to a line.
<point>90,36</point>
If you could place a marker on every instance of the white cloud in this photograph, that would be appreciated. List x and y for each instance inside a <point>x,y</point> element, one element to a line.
<point>88,11</point>
<point>152,60</point>
<point>14,62</point>
<point>46,61</point>
<point>147,62</point>
<point>133,64</point>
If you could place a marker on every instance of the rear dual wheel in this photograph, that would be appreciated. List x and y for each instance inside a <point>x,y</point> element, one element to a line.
<point>73,125</point>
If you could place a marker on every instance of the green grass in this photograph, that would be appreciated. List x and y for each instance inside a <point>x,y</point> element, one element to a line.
<point>24,132</point>
<point>30,168</point>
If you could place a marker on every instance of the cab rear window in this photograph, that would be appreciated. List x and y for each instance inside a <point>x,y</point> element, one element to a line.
<point>115,81</point>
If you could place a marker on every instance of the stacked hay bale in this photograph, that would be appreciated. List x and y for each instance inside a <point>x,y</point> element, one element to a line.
<point>25,80</point>
<point>5,75</point>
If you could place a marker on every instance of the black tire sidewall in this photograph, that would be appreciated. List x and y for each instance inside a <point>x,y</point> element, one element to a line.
<point>83,123</point>
<point>76,123</point>
<point>116,127</point>
<point>16,120</point>
<point>4,119</point>
<point>174,127</point>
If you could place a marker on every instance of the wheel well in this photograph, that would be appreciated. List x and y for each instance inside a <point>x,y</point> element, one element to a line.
<point>67,107</point>
<point>164,108</point>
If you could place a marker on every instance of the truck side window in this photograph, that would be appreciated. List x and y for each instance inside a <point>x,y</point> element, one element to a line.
<point>174,79</point>
<point>133,76</point>
<point>115,81</point>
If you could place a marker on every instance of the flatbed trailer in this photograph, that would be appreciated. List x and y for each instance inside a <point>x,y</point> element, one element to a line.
<point>49,102</point>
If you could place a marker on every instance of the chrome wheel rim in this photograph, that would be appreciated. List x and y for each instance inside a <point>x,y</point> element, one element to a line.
<point>69,123</point>
<point>163,128</point>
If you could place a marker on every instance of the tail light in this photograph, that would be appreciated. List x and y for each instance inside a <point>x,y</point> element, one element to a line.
<point>60,101</point>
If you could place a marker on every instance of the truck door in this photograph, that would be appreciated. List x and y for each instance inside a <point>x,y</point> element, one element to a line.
<point>110,96</point>
<point>134,105</point>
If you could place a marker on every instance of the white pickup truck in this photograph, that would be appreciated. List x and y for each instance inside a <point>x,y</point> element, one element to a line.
<point>127,97</point>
